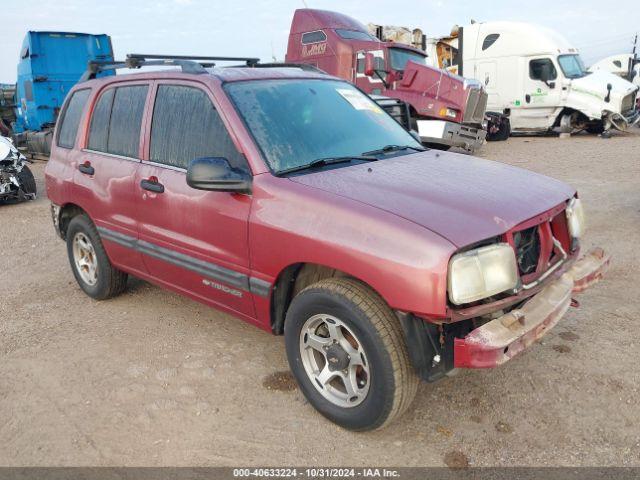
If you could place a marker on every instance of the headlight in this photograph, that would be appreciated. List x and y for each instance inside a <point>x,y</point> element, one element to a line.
<point>448,112</point>
<point>482,272</point>
<point>575,218</point>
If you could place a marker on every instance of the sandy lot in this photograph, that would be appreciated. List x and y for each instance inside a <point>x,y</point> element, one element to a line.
<point>151,378</point>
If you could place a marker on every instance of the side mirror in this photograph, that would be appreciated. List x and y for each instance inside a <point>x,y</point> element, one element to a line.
<point>545,72</point>
<point>369,64</point>
<point>545,75</point>
<point>216,174</point>
<point>608,97</point>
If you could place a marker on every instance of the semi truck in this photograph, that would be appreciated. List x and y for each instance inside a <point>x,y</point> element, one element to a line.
<point>537,77</point>
<point>625,65</point>
<point>50,64</point>
<point>444,109</point>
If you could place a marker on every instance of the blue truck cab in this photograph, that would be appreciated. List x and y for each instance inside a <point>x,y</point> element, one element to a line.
<point>50,64</point>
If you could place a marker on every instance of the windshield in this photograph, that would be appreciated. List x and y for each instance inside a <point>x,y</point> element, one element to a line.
<point>572,66</point>
<point>297,121</point>
<point>400,57</point>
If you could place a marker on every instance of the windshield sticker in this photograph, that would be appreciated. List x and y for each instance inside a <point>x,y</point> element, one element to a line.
<point>358,101</point>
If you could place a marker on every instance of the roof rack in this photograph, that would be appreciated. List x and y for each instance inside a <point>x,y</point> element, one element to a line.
<point>189,64</point>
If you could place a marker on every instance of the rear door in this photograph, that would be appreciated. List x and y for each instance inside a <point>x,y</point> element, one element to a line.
<point>192,240</point>
<point>107,166</point>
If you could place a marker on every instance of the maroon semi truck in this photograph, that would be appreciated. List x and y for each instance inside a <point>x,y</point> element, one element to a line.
<point>446,110</point>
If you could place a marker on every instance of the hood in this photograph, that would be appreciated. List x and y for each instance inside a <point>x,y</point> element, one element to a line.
<point>595,84</point>
<point>419,79</point>
<point>464,199</point>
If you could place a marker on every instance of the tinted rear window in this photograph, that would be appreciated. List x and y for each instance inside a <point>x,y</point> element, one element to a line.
<point>186,126</point>
<point>126,119</point>
<point>99,130</point>
<point>70,118</point>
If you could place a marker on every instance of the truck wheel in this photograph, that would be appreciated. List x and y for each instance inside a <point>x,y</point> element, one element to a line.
<point>89,262</point>
<point>503,133</point>
<point>595,128</point>
<point>27,181</point>
<point>347,351</point>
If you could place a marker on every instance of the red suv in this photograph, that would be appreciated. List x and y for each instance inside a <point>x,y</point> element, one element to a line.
<point>291,200</point>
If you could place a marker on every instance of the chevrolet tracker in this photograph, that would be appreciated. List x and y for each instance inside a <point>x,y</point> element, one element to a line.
<point>290,199</point>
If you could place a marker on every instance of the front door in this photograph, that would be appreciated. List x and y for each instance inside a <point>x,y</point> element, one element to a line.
<point>193,241</point>
<point>541,100</point>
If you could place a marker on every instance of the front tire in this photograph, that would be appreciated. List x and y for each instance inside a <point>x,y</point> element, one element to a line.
<point>347,351</point>
<point>89,261</point>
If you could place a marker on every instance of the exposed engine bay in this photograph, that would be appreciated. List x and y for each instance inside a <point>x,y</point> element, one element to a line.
<point>16,180</point>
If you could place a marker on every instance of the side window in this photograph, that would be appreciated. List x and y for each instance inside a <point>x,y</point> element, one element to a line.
<point>116,121</point>
<point>536,66</point>
<point>99,129</point>
<point>313,37</point>
<point>186,126</point>
<point>126,120</point>
<point>70,118</point>
<point>489,40</point>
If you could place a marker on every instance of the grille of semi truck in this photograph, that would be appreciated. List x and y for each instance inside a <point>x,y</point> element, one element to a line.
<point>628,103</point>
<point>476,106</point>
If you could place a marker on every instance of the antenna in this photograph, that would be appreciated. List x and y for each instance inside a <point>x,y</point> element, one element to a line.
<point>633,61</point>
<point>305,4</point>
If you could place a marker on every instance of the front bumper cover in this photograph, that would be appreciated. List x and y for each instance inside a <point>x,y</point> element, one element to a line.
<point>451,134</point>
<point>499,340</point>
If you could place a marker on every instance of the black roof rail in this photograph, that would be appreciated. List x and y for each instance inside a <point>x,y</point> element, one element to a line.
<point>249,61</point>
<point>189,64</point>
<point>301,66</point>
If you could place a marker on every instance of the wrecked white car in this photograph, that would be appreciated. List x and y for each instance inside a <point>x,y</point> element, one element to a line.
<point>16,180</point>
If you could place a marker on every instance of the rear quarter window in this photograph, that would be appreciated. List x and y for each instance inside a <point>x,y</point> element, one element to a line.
<point>70,118</point>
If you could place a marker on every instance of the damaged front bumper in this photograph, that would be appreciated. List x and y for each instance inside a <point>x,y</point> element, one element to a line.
<point>621,122</point>
<point>452,134</point>
<point>499,340</point>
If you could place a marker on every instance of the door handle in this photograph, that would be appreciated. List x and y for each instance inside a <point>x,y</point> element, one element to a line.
<point>152,185</point>
<point>86,168</point>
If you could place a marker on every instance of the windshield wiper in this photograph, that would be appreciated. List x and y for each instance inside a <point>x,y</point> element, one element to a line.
<point>394,148</point>
<point>321,162</point>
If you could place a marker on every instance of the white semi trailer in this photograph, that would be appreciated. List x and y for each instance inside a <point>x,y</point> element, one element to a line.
<point>537,77</point>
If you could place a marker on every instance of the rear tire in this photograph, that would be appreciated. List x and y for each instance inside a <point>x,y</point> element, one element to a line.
<point>374,359</point>
<point>27,181</point>
<point>89,261</point>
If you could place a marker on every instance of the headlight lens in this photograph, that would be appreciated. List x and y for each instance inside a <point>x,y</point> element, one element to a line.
<point>482,272</point>
<point>448,112</point>
<point>575,218</point>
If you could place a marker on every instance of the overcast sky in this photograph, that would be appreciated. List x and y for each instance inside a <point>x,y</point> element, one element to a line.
<point>244,28</point>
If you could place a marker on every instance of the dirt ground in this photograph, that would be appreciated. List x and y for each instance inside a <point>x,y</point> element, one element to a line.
<point>152,378</point>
